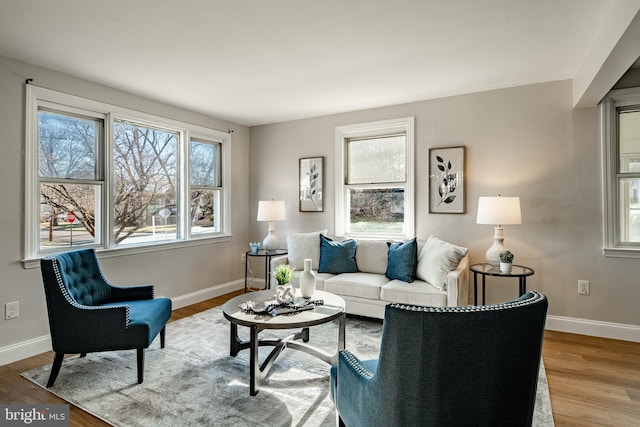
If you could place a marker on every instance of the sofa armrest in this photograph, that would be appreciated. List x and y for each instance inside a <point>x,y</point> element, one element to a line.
<point>278,260</point>
<point>458,284</point>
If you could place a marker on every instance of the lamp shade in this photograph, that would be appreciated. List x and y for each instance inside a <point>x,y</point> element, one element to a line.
<point>271,210</point>
<point>499,210</point>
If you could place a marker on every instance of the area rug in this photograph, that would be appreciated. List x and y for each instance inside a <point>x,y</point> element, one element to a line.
<point>194,381</point>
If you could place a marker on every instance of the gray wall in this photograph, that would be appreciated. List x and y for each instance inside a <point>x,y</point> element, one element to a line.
<point>526,141</point>
<point>175,272</point>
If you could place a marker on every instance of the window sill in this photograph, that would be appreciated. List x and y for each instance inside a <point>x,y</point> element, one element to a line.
<point>372,236</point>
<point>621,252</point>
<point>131,250</point>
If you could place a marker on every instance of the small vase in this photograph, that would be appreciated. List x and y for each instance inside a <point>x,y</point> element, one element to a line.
<point>307,280</point>
<point>506,267</point>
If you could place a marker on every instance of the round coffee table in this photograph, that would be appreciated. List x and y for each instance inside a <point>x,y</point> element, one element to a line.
<point>333,308</point>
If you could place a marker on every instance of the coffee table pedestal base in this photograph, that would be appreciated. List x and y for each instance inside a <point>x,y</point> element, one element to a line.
<point>258,373</point>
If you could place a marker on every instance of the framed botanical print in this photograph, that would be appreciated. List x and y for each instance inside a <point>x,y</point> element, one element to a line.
<point>446,180</point>
<point>311,180</point>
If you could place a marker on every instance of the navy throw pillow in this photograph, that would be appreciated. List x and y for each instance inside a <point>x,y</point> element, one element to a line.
<point>337,257</point>
<point>402,260</point>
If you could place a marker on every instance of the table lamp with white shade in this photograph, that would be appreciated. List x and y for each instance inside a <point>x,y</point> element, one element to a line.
<point>271,210</point>
<point>498,211</point>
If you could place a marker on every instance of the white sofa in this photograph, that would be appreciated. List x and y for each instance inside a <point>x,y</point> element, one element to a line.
<point>367,291</point>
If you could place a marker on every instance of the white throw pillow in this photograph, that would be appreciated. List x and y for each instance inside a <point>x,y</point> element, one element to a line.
<point>436,259</point>
<point>301,246</point>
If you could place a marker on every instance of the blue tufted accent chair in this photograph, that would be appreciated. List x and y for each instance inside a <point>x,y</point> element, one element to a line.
<point>88,314</point>
<point>446,366</point>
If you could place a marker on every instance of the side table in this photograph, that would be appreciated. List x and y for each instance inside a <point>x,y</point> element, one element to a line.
<point>485,269</point>
<point>267,255</point>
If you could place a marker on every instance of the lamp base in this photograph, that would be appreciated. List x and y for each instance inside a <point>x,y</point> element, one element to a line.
<point>492,255</point>
<point>270,243</point>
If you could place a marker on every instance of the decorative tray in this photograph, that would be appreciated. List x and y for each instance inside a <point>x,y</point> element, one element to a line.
<point>273,308</point>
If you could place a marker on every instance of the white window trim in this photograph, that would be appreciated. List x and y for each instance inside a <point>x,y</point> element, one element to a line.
<point>186,201</point>
<point>37,96</point>
<point>613,247</point>
<point>383,127</point>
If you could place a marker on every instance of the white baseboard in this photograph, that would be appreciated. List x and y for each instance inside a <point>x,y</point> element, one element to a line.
<point>205,294</point>
<point>594,328</point>
<point>22,350</point>
<point>32,347</point>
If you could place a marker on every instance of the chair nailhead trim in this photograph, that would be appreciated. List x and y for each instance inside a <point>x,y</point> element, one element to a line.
<point>56,268</point>
<point>536,297</point>
<point>355,363</point>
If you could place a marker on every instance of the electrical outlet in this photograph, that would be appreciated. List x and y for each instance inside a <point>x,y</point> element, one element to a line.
<point>243,258</point>
<point>583,287</point>
<point>11,310</point>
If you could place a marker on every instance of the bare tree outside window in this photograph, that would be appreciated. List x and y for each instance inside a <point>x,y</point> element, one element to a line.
<point>105,176</point>
<point>145,168</point>
<point>204,182</point>
<point>67,153</point>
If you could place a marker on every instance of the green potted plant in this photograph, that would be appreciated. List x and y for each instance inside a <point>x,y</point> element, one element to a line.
<point>506,262</point>
<point>283,273</point>
<point>284,291</point>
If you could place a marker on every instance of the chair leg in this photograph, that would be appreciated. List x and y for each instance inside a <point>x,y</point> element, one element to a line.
<point>162,337</point>
<point>83,354</point>
<point>140,365</point>
<point>55,368</point>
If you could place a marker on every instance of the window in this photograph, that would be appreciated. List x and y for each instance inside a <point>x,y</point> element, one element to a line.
<point>103,176</point>
<point>621,148</point>
<point>205,187</point>
<point>375,179</point>
<point>145,177</point>
<point>70,179</point>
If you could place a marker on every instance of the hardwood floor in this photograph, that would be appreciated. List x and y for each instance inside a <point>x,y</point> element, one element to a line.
<point>15,389</point>
<point>592,381</point>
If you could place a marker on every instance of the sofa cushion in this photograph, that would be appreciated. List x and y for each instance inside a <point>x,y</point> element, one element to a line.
<point>436,259</point>
<point>402,260</point>
<point>371,256</point>
<point>418,293</point>
<point>361,285</point>
<point>301,246</point>
<point>337,257</point>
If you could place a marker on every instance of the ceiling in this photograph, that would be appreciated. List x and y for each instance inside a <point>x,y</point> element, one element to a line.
<point>255,61</point>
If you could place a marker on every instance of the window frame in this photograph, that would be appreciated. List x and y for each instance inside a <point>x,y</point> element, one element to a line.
<point>613,246</point>
<point>381,128</point>
<point>58,102</point>
<point>99,173</point>
<point>217,188</point>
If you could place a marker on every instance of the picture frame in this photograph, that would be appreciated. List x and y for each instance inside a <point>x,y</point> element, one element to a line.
<point>311,181</point>
<point>446,180</point>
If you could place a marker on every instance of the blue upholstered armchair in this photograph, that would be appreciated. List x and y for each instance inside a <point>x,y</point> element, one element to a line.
<point>453,366</point>
<point>88,314</point>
